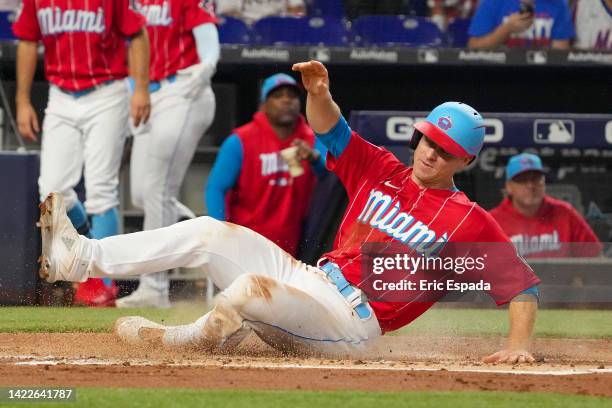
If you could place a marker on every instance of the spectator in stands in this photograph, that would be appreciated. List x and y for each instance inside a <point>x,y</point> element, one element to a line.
<point>593,20</point>
<point>537,223</point>
<point>521,23</point>
<point>250,183</point>
<point>250,11</point>
<point>442,12</point>
<point>357,8</point>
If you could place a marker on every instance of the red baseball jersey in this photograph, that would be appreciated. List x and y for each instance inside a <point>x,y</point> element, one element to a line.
<point>387,206</point>
<point>85,40</point>
<point>544,234</point>
<point>169,23</point>
<point>266,198</point>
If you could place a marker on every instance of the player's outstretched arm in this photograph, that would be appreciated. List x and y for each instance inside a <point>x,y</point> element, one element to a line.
<point>321,110</point>
<point>522,311</point>
<point>27,122</point>
<point>138,61</point>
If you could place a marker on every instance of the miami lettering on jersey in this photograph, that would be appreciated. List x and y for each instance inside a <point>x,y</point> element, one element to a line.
<point>156,14</point>
<point>399,225</point>
<point>54,20</point>
<point>272,163</point>
<point>529,244</point>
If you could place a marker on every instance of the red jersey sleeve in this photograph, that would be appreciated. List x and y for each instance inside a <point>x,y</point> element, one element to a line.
<point>26,26</point>
<point>504,269</point>
<point>198,12</point>
<point>127,21</point>
<point>362,161</point>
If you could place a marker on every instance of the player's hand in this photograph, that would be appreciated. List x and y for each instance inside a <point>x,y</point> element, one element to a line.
<point>510,356</point>
<point>304,152</point>
<point>27,121</point>
<point>314,77</point>
<point>519,22</point>
<point>140,107</point>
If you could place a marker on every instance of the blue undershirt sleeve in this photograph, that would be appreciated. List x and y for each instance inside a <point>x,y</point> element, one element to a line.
<point>319,166</point>
<point>223,176</point>
<point>337,138</point>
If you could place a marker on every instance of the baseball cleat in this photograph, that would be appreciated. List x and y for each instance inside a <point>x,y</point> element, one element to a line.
<point>138,330</point>
<point>60,242</point>
<point>144,297</point>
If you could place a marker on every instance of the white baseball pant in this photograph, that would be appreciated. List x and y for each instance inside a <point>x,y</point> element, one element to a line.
<point>88,132</point>
<point>161,154</point>
<point>290,305</point>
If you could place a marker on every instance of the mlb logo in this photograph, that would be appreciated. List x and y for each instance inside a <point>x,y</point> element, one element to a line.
<point>320,54</point>
<point>428,56</point>
<point>553,131</point>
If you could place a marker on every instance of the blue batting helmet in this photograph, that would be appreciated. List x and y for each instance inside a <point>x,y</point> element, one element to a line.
<point>455,127</point>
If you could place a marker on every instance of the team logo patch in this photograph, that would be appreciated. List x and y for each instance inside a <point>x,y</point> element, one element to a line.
<point>445,123</point>
<point>527,162</point>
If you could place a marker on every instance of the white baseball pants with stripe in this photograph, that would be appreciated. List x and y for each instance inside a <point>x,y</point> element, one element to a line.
<point>86,132</point>
<point>290,305</point>
<point>161,154</point>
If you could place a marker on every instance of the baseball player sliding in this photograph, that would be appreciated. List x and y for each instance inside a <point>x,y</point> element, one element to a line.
<point>298,307</point>
<point>184,54</point>
<point>84,125</point>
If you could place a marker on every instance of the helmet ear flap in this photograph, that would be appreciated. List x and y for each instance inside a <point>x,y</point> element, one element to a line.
<point>415,139</point>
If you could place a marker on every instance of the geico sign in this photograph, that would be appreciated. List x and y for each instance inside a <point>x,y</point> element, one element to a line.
<point>494,130</point>
<point>401,128</point>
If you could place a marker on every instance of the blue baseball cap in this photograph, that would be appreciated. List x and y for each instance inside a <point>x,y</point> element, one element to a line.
<point>454,126</point>
<point>523,162</point>
<point>276,81</point>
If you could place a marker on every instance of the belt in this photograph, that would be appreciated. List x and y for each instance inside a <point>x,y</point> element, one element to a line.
<point>83,92</point>
<point>156,86</point>
<point>352,294</point>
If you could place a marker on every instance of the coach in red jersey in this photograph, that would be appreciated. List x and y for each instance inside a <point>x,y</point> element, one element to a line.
<point>250,183</point>
<point>84,128</point>
<point>539,225</point>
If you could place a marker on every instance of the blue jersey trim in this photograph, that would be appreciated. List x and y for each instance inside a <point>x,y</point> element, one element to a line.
<point>533,291</point>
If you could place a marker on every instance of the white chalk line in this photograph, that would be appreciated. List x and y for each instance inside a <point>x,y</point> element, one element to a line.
<point>29,360</point>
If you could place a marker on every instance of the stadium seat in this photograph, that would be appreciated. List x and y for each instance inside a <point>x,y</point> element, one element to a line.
<point>333,8</point>
<point>301,31</point>
<point>400,30</point>
<point>233,31</point>
<point>6,24</point>
<point>457,33</point>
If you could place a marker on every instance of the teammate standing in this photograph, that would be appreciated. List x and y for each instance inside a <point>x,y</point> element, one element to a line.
<point>184,54</point>
<point>84,125</point>
<point>294,306</point>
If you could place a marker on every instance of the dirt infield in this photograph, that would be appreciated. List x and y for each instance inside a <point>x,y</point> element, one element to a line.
<point>399,364</point>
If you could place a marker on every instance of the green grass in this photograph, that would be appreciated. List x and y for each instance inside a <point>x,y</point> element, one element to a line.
<point>105,397</point>
<point>494,322</point>
<point>82,319</point>
<point>462,322</point>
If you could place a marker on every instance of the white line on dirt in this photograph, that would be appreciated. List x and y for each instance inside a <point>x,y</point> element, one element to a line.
<point>28,360</point>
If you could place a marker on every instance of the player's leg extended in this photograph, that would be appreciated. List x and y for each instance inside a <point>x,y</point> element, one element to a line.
<point>228,250</point>
<point>307,316</point>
